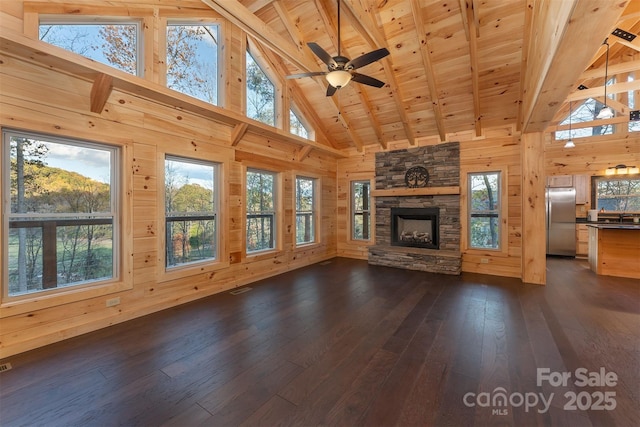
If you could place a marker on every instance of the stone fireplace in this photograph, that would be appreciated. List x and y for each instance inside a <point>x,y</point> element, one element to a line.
<point>418,228</point>
<point>415,227</point>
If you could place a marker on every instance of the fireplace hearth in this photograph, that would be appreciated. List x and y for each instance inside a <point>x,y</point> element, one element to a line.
<point>415,227</point>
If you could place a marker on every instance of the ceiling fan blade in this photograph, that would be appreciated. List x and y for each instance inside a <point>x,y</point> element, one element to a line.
<point>322,54</point>
<point>367,58</point>
<point>367,80</point>
<point>331,90</point>
<point>298,76</point>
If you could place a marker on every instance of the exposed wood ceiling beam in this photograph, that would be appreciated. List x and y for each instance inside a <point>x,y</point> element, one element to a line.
<point>554,63</point>
<point>598,91</point>
<point>473,32</point>
<point>593,123</point>
<point>524,61</point>
<point>563,113</point>
<point>430,73</point>
<point>291,28</point>
<point>239,15</point>
<point>363,23</point>
<point>623,67</point>
<point>635,44</point>
<point>256,5</point>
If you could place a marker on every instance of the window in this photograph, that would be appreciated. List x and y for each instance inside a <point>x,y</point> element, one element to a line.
<point>586,112</point>
<point>110,42</point>
<point>634,125</point>
<point>261,215</point>
<point>261,94</point>
<point>191,211</point>
<point>60,223</point>
<point>296,126</point>
<point>192,60</point>
<point>484,210</point>
<point>360,210</point>
<point>616,194</point>
<point>305,210</point>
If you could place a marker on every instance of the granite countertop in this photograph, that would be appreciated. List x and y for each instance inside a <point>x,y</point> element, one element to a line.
<point>614,225</point>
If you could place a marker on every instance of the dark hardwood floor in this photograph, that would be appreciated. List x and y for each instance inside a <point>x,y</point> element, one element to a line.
<point>344,343</point>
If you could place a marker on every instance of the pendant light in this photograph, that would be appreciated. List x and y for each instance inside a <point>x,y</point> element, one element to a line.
<point>606,112</point>
<point>569,143</point>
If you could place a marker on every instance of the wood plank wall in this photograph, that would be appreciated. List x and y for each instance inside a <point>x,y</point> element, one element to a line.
<point>45,101</point>
<point>592,156</point>
<point>37,99</point>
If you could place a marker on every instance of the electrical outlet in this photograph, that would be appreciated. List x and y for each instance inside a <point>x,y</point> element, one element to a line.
<point>582,209</point>
<point>113,302</point>
<point>484,260</point>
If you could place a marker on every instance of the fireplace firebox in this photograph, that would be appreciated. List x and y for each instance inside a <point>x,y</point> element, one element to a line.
<point>415,227</point>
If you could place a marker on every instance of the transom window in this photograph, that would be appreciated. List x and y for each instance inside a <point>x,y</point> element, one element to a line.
<point>115,43</point>
<point>261,94</point>
<point>261,210</point>
<point>305,210</point>
<point>192,60</point>
<point>360,210</point>
<point>484,210</point>
<point>61,218</point>
<point>191,211</point>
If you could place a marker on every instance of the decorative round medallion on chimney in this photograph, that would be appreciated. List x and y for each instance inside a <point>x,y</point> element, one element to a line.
<point>416,177</point>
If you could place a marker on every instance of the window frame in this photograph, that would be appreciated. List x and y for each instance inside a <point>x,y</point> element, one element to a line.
<point>121,278</point>
<point>169,272</point>
<point>219,60</point>
<point>273,78</point>
<point>353,211</point>
<point>314,212</point>
<point>275,217</point>
<point>594,188</point>
<point>65,19</point>
<point>499,213</point>
<point>311,134</point>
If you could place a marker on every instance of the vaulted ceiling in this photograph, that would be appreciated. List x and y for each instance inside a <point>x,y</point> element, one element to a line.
<point>454,66</point>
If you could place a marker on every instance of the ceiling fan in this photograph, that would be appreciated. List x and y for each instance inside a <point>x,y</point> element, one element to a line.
<point>341,69</point>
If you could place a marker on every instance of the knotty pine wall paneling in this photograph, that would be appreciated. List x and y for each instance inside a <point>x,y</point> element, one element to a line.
<point>41,99</point>
<point>358,167</point>
<point>592,156</point>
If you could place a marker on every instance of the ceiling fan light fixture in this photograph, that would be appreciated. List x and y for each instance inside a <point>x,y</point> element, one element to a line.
<point>569,144</point>
<point>605,113</point>
<point>339,78</point>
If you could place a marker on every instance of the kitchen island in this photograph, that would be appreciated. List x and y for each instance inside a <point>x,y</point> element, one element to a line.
<point>614,249</point>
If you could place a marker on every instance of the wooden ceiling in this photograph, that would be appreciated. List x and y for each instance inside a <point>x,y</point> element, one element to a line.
<point>456,66</point>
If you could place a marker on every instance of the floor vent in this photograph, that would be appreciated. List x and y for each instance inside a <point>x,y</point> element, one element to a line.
<point>240,291</point>
<point>5,367</point>
<point>325,263</point>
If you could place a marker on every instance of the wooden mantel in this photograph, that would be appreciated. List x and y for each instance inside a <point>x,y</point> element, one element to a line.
<point>424,191</point>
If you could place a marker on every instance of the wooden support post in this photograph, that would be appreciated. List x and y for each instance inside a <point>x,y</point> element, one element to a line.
<point>534,262</point>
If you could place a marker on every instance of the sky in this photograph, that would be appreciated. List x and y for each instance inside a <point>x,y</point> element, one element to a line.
<point>89,162</point>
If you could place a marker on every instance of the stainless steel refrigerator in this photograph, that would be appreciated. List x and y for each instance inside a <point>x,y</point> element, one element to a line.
<point>561,221</point>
